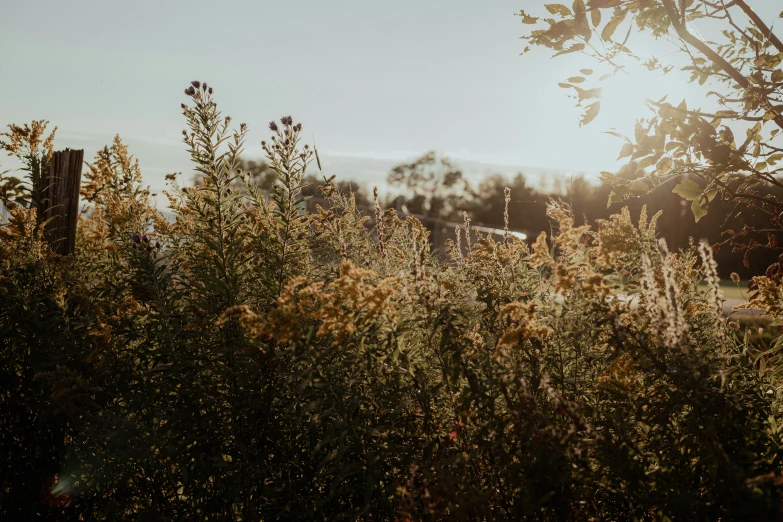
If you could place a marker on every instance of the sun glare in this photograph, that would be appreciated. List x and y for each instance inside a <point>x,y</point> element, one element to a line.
<point>624,98</point>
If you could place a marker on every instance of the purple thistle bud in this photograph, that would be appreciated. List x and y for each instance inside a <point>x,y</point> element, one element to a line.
<point>190,91</point>
<point>157,244</point>
<point>273,126</point>
<point>298,127</point>
<point>210,90</point>
<point>145,238</point>
<point>286,120</point>
<point>196,84</point>
<point>135,238</point>
<point>263,143</point>
<point>204,86</point>
<point>183,105</point>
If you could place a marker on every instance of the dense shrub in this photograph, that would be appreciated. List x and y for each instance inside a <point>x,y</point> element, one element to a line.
<point>251,361</point>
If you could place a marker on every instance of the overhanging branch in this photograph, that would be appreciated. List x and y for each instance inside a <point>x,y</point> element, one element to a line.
<point>706,50</point>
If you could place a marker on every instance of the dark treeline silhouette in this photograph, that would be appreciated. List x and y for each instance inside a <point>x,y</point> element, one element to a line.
<point>435,190</point>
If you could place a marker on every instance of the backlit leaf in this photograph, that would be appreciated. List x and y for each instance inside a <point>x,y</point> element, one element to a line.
<point>688,189</point>
<point>574,48</point>
<point>558,9</point>
<point>639,188</point>
<point>698,210</point>
<point>590,113</point>
<point>610,28</point>
<point>595,17</point>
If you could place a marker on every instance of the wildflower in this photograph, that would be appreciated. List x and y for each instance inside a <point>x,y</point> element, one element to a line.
<point>527,325</point>
<point>210,90</point>
<point>145,238</point>
<point>196,84</point>
<point>540,255</point>
<point>135,238</point>
<point>286,120</point>
<point>735,278</point>
<point>204,86</point>
<point>190,91</point>
<point>157,244</point>
<point>273,126</point>
<point>298,127</point>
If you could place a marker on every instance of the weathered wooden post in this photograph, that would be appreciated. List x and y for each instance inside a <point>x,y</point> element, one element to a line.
<point>61,197</point>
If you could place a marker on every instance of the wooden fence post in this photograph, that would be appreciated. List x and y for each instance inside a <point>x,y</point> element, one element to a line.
<point>61,196</point>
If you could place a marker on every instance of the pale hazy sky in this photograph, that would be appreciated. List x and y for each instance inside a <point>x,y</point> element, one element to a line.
<point>366,78</point>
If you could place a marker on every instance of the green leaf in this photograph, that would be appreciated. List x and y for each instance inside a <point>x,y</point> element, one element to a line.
<point>697,209</point>
<point>772,160</point>
<point>558,9</point>
<point>626,151</point>
<point>590,113</point>
<point>611,27</point>
<point>639,188</point>
<point>688,189</point>
<point>664,166</point>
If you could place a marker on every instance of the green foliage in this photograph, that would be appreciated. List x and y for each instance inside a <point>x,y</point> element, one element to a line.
<point>252,360</point>
<point>742,70</point>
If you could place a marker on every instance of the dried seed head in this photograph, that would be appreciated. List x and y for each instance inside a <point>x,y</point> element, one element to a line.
<point>298,127</point>
<point>273,126</point>
<point>379,222</point>
<point>210,90</point>
<point>735,277</point>
<point>204,86</point>
<point>507,199</point>
<point>467,229</point>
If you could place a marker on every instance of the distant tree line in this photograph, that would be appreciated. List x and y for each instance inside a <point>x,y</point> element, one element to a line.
<point>434,189</point>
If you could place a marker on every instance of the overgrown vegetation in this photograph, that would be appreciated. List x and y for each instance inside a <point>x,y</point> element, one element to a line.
<point>248,360</point>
